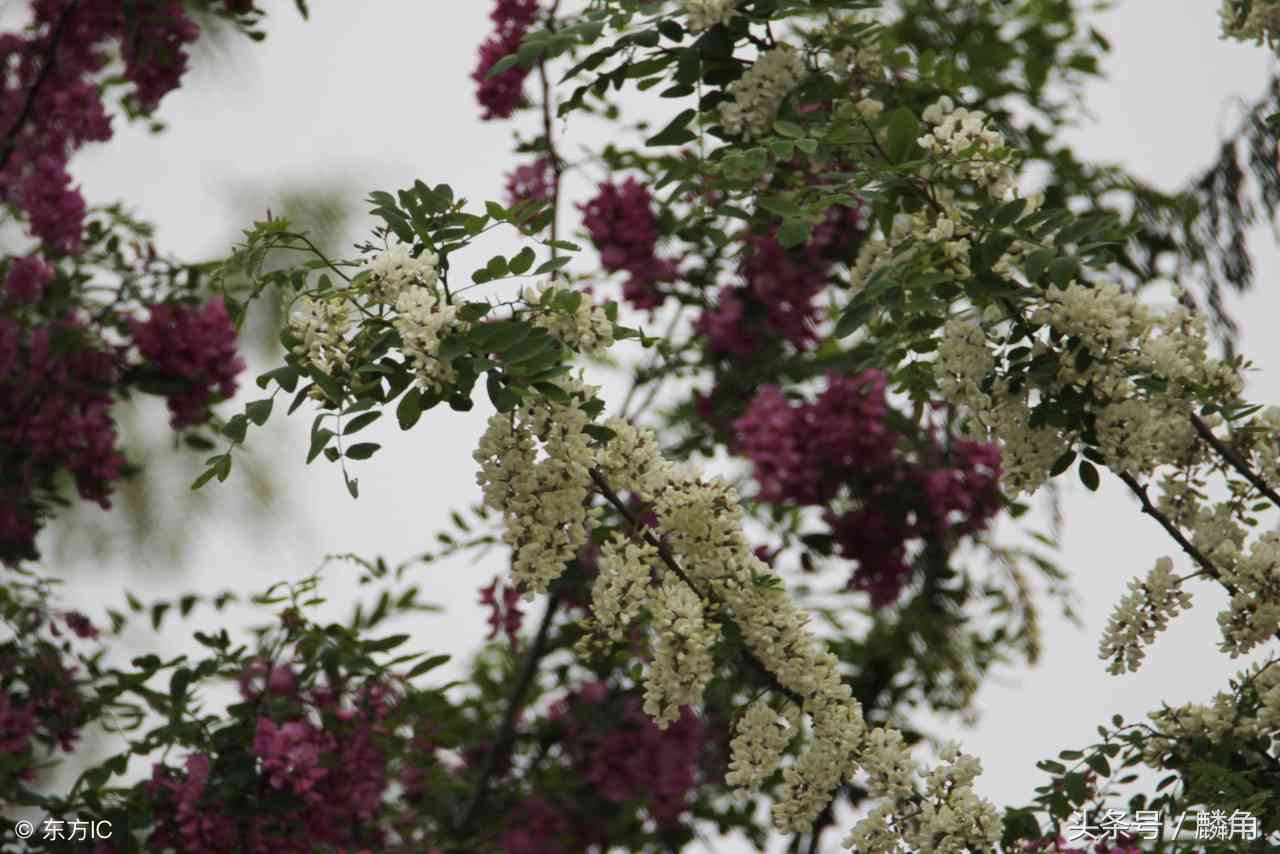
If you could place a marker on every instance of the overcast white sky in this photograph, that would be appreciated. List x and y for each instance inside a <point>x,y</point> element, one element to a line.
<point>376,94</point>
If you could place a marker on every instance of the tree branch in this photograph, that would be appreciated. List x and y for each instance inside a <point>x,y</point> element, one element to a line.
<point>1237,462</point>
<point>507,730</point>
<point>1172,529</point>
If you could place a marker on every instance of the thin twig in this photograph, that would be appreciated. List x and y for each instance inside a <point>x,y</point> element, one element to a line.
<point>507,730</point>
<point>1172,529</point>
<point>1237,462</point>
<point>10,143</point>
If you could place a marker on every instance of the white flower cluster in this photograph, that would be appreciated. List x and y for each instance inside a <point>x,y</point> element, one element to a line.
<point>973,150</point>
<point>541,491</point>
<point>760,738</point>
<point>587,329</point>
<point>759,92</point>
<point>948,818</point>
<point>702,524</point>
<point>396,270</point>
<point>1260,24</point>
<point>321,326</point>
<point>421,318</point>
<point>1140,425</point>
<point>1229,716</point>
<point>1143,612</point>
<point>1254,614</point>
<point>682,664</point>
<point>704,14</point>
<point>620,591</point>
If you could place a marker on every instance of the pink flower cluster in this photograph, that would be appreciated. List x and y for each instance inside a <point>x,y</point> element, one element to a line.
<point>809,453</point>
<point>40,703</point>
<point>68,47</point>
<point>623,226</point>
<point>777,297</point>
<point>27,278</point>
<point>532,182</point>
<point>195,346</point>
<point>55,399</point>
<point>501,94</point>
<point>623,759</point>
<point>505,616</point>
<point>324,757</point>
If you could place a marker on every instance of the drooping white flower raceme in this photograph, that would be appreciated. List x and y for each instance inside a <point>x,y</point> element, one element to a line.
<point>759,92</point>
<point>701,522</point>
<point>396,270</point>
<point>1144,612</point>
<point>760,738</point>
<point>320,326</point>
<point>534,469</point>
<point>704,14</point>
<point>622,586</point>
<point>421,319</point>
<point>682,664</point>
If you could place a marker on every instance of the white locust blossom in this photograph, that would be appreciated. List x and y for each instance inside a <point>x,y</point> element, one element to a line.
<point>704,14</point>
<point>396,270</point>
<point>1254,614</point>
<point>759,92</point>
<point>586,329</point>
<point>682,664</point>
<point>761,737</point>
<point>622,585</point>
<point>321,326</point>
<point>421,318</point>
<point>541,491</point>
<point>1144,612</point>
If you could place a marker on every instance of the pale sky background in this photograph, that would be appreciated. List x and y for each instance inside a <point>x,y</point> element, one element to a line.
<point>376,94</point>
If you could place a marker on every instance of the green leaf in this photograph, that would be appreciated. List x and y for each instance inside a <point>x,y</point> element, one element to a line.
<point>410,409</point>
<point>259,411</point>
<point>360,422</point>
<point>235,428</point>
<point>1089,475</point>
<point>427,665</point>
<point>319,439</point>
<point>794,232</point>
<point>599,432</point>
<point>362,450</point>
<point>551,266</point>
<point>504,400</point>
<point>521,263</point>
<point>676,132</point>
<point>353,487</point>
<point>903,130</point>
<point>1062,464</point>
<point>790,129</point>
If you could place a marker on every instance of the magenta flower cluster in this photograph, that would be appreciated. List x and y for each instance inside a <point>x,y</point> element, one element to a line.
<point>322,755</point>
<point>624,228</point>
<point>195,346</point>
<point>68,111</point>
<point>776,299</point>
<point>623,759</point>
<point>40,701</point>
<point>501,94</point>
<point>505,613</point>
<point>56,392</point>
<point>532,182</point>
<point>810,453</point>
<point>27,278</point>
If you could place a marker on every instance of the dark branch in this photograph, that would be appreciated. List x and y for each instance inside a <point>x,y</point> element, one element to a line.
<point>507,730</point>
<point>1237,462</point>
